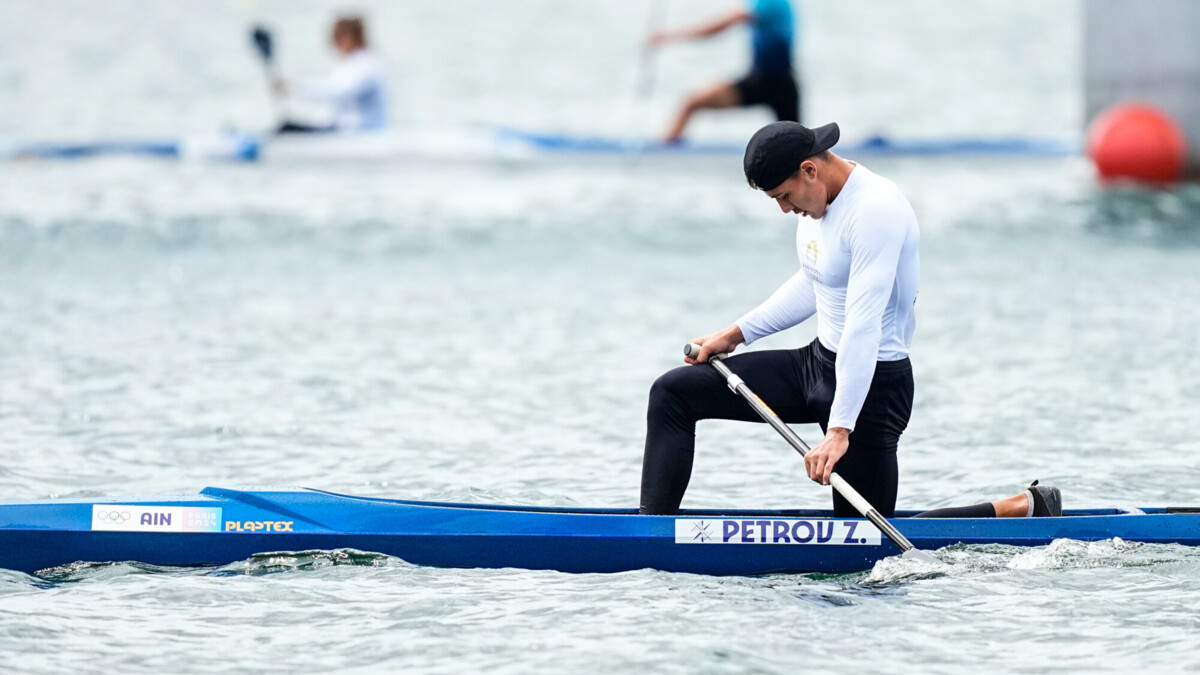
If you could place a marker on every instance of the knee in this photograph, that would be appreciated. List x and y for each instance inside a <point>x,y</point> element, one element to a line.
<point>667,390</point>
<point>694,103</point>
<point>663,389</point>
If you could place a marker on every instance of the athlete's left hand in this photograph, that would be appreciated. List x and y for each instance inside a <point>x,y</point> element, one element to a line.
<point>820,461</point>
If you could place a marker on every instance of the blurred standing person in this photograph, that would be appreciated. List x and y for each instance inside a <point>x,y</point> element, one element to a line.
<point>354,90</point>
<point>771,80</point>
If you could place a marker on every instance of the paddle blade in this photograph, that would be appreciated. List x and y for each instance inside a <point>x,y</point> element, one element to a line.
<point>921,556</point>
<point>261,38</point>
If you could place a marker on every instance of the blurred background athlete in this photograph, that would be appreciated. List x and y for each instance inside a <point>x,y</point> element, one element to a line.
<point>771,80</point>
<point>353,91</point>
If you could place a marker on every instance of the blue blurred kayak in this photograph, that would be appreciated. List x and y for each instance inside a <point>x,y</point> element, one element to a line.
<point>494,143</point>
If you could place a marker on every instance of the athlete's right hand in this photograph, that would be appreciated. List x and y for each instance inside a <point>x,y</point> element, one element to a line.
<point>720,342</point>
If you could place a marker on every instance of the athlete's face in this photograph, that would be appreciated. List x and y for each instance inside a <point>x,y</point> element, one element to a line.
<point>343,43</point>
<point>803,194</point>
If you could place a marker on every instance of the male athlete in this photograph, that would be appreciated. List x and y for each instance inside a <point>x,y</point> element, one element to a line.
<point>858,246</point>
<point>770,81</point>
<point>354,91</point>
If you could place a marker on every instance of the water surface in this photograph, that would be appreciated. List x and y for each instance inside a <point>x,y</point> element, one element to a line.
<point>489,332</point>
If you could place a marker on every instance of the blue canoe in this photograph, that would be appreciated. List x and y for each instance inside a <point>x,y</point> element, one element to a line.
<point>872,145</point>
<point>497,143</point>
<point>222,525</point>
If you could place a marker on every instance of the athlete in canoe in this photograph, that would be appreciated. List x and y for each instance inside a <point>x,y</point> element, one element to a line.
<point>771,80</point>
<point>859,265</point>
<point>354,90</point>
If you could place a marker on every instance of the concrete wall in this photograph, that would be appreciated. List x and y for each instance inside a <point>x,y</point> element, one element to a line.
<point>1146,50</point>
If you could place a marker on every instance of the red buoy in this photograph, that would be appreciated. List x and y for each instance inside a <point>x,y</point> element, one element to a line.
<point>1137,141</point>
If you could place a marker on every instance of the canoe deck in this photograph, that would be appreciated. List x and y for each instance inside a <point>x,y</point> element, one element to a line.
<point>223,525</point>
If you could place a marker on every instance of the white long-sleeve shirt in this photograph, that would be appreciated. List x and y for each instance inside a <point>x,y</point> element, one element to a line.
<point>859,268</point>
<point>355,91</point>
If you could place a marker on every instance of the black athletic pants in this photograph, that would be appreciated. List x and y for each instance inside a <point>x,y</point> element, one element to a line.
<point>290,127</point>
<point>798,384</point>
<point>774,88</point>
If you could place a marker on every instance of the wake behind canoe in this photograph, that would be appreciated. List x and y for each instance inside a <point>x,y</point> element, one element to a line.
<point>220,525</point>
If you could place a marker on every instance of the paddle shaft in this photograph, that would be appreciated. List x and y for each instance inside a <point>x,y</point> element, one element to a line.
<point>737,386</point>
<point>264,46</point>
<point>645,81</point>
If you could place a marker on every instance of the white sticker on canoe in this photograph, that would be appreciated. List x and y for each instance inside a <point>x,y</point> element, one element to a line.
<point>125,518</point>
<point>776,531</point>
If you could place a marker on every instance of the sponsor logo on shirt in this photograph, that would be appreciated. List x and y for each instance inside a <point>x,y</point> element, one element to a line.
<point>810,251</point>
<point>809,261</point>
<point>129,518</point>
<point>776,531</point>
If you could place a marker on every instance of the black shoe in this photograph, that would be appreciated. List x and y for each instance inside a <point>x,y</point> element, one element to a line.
<point>1047,500</point>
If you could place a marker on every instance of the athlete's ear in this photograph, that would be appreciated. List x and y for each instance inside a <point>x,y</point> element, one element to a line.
<point>809,169</point>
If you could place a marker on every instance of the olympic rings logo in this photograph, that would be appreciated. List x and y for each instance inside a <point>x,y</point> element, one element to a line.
<point>115,517</point>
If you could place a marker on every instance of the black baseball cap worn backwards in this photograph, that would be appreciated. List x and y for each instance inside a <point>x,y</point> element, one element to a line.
<point>776,150</point>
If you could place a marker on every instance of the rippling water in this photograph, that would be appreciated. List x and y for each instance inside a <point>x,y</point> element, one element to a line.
<point>489,333</point>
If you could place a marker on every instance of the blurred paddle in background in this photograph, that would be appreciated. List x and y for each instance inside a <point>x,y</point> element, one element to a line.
<point>264,46</point>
